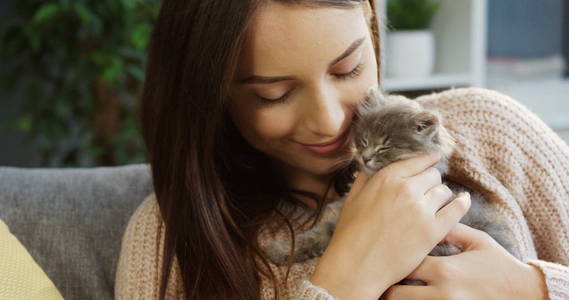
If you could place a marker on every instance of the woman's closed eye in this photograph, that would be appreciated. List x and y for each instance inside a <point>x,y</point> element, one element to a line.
<point>355,72</point>
<point>280,99</point>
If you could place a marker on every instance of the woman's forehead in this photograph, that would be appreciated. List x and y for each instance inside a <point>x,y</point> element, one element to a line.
<point>282,37</point>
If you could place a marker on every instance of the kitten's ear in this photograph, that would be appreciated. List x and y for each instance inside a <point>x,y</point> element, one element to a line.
<point>376,97</point>
<point>374,100</point>
<point>426,123</point>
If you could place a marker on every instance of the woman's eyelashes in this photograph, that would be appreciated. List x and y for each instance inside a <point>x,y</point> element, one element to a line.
<point>352,74</point>
<point>355,72</point>
<point>280,99</point>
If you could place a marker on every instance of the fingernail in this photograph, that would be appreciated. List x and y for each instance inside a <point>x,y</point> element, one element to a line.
<point>464,194</point>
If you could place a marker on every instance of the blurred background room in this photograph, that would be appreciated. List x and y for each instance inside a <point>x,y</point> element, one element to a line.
<point>71,70</point>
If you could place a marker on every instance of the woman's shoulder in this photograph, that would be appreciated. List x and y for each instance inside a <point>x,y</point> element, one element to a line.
<point>145,228</point>
<point>471,94</point>
<point>482,119</point>
<point>471,99</point>
<point>140,261</point>
<point>147,212</point>
<point>145,224</point>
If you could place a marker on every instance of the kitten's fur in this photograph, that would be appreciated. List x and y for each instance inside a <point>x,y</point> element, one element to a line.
<point>386,130</point>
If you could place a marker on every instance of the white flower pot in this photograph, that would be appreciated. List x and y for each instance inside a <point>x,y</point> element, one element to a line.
<point>409,53</point>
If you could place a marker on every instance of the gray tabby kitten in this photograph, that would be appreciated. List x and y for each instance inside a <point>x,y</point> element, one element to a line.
<point>386,130</point>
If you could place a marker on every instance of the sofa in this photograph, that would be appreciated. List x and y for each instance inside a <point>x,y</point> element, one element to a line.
<point>71,221</point>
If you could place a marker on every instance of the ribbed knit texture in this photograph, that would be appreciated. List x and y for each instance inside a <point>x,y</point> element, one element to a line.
<point>503,150</point>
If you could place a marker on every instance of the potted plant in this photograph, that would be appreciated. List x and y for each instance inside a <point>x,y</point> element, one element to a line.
<point>78,67</point>
<point>410,44</point>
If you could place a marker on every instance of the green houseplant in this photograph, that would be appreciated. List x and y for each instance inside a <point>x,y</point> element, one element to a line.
<point>410,42</point>
<point>78,66</point>
<point>411,14</point>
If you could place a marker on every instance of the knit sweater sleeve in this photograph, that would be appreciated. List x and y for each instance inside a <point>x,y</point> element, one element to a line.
<point>306,290</point>
<point>138,271</point>
<point>297,287</point>
<point>510,153</point>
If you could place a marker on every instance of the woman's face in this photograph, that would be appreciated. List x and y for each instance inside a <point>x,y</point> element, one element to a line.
<point>320,61</point>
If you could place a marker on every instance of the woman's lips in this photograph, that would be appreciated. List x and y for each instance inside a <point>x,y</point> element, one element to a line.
<point>330,147</point>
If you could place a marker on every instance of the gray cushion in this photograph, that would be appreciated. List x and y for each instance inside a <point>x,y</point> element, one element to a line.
<point>71,220</point>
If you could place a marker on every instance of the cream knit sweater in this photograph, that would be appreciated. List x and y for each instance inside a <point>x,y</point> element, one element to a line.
<point>503,150</point>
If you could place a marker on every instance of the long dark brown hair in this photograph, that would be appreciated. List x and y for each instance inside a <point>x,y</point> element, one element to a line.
<point>213,189</point>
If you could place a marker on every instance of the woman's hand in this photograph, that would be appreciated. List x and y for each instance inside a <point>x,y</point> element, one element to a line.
<point>387,226</point>
<point>484,270</point>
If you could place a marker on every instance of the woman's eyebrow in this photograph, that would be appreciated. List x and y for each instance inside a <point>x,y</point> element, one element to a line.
<point>264,79</point>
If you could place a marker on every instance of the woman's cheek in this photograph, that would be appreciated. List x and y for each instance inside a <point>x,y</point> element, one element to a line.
<point>274,124</point>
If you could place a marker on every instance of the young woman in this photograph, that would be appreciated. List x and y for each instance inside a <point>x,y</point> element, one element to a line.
<point>238,97</point>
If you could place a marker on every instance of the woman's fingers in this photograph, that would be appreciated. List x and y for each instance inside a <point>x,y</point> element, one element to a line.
<point>464,236</point>
<point>414,171</point>
<point>426,180</point>
<point>425,270</point>
<point>411,166</point>
<point>437,197</point>
<point>449,215</point>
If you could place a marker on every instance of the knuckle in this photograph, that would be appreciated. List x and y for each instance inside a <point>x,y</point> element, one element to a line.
<point>485,236</point>
<point>406,188</point>
<point>441,190</point>
<point>424,211</point>
<point>443,269</point>
<point>446,189</point>
<point>436,173</point>
<point>435,170</point>
<point>463,205</point>
<point>448,194</point>
<point>417,209</point>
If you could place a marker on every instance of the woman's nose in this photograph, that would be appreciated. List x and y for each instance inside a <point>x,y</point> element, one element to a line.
<point>324,115</point>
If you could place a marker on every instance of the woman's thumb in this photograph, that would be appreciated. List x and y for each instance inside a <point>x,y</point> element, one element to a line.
<point>464,236</point>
